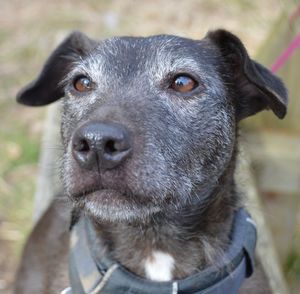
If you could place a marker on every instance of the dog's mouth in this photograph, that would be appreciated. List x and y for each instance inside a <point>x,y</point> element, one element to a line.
<point>108,197</point>
<point>114,205</point>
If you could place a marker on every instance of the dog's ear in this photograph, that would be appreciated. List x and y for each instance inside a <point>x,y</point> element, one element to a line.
<point>257,88</point>
<point>46,88</point>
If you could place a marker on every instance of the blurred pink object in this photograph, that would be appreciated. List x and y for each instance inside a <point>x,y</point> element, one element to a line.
<point>286,54</point>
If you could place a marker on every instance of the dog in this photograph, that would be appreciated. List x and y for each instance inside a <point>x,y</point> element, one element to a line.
<point>150,138</point>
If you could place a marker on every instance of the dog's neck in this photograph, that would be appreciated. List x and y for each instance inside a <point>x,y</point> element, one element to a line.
<point>173,245</point>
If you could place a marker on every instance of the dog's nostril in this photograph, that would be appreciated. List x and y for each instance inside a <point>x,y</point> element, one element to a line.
<point>82,146</point>
<point>99,145</point>
<point>110,147</point>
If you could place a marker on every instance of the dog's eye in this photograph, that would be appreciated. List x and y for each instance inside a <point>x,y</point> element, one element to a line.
<point>82,84</point>
<point>183,84</point>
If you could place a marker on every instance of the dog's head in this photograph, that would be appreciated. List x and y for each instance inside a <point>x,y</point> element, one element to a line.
<point>149,124</point>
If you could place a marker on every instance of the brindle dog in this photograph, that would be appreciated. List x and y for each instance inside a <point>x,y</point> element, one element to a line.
<point>149,130</point>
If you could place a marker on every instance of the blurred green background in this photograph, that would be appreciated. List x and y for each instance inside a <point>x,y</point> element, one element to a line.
<point>30,30</point>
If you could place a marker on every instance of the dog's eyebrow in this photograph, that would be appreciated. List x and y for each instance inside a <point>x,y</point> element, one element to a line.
<point>185,63</point>
<point>168,63</point>
<point>73,71</point>
<point>91,66</point>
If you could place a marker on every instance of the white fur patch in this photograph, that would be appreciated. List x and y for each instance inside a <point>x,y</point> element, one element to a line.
<point>159,266</point>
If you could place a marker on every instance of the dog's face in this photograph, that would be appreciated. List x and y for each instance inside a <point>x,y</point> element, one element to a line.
<point>149,124</point>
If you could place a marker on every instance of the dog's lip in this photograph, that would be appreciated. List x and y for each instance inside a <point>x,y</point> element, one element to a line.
<point>108,194</point>
<point>93,192</point>
<point>105,195</point>
<point>84,193</point>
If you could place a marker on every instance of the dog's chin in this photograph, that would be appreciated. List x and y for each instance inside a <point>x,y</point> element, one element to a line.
<point>114,206</point>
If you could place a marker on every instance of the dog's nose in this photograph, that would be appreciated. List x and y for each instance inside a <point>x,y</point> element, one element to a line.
<point>101,145</point>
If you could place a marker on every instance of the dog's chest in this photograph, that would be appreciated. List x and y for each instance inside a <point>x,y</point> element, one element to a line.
<point>159,266</point>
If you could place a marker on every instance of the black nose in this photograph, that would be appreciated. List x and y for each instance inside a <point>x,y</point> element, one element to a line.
<point>101,145</point>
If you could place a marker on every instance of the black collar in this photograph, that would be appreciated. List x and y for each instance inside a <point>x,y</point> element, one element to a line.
<point>91,276</point>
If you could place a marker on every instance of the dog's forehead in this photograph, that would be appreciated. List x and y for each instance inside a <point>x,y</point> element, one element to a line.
<point>123,56</point>
<point>148,46</point>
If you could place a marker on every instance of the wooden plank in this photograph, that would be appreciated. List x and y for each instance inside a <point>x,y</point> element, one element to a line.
<point>265,246</point>
<point>276,163</point>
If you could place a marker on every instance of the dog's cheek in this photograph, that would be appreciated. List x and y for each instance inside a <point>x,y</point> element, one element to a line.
<point>69,173</point>
<point>216,145</point>
<point>207,139</point>
<point>158,169</point>
<point>76,110</point>
<point>68,122</point>
<point>147,173</point>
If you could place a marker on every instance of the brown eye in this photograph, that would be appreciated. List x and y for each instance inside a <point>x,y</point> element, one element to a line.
<point>82,84</point>
<point>183,84</point>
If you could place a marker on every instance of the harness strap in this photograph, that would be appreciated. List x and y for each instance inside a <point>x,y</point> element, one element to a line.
<point>92,276</point>
<point>83,272</point>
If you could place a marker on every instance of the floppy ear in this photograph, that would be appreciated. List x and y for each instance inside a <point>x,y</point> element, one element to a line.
<point>256,87</point>
<point>46,88</point>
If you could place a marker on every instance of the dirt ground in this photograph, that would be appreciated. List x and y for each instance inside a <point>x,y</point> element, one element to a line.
<point>29,30</point>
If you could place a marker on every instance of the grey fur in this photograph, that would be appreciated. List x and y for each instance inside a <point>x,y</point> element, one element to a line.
<point>130,94</point>
<point>176,191</point>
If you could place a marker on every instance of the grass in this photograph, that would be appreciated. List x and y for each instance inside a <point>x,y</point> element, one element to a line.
<point>19,153</point>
